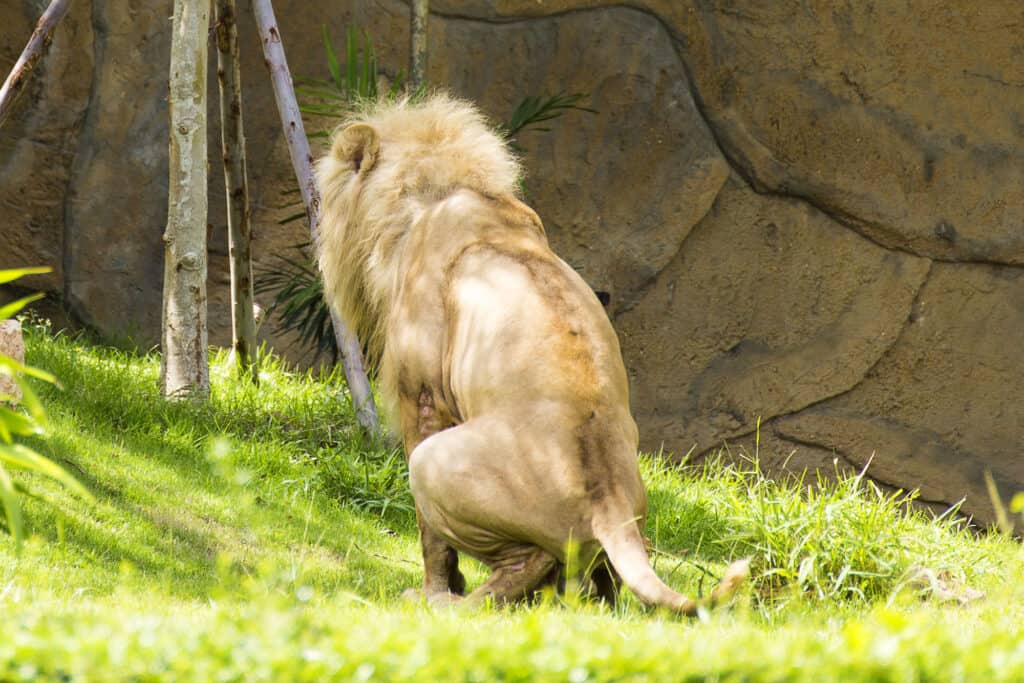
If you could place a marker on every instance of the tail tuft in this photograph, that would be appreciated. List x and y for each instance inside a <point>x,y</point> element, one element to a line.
<point>735,576</point>
<point>625,549</point>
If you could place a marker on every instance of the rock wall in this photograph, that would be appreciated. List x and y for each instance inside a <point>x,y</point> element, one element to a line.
<point>807,213</point>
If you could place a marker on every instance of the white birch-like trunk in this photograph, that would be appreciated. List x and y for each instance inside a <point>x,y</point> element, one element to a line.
<point>31,55</point>
<point>184,370</point>
<point>302,162</point>
<point>236,182</point>
<point>420,12</point>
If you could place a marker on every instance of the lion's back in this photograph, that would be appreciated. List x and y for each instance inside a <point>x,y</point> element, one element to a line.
<point>523,327</point>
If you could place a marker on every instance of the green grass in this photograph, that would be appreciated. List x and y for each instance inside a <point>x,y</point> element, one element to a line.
<point>259,537</point>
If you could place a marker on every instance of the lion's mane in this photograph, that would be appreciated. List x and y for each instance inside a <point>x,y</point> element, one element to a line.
<point>429,149</point>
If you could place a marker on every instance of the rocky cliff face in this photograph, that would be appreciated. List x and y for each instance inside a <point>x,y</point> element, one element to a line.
<point>807,213</point>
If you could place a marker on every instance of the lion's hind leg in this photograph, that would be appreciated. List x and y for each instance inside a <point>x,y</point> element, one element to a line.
<point>606,583</point>
<point>473,491</point>
<point>420,420</point>
<point>510,581</point>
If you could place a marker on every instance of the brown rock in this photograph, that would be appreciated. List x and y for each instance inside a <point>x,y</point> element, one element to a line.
<point>12,345</point>
<point>943,405</point>
<point>39,141</point>
<point>770,306</point>
<point>782,458</point>
<point>118,195</point>
<point>905,119</point>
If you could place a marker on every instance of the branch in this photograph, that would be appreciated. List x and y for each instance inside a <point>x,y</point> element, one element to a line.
<point>419,11</point>
<point>302,162</point>
<point>243,321</point>
<point>184,368</point>
<point>32,53</point>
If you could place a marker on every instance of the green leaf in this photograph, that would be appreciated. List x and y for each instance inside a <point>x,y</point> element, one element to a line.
<point>367,80</point>
<point>10,309</point>
<point>14,368</point>
<point>27,459</point>
<point>419,93</point>
<point>397,85</point>
<point>324,93</point>
<point>14,273</point>
<point>351,67</point>
<point>321,82</point>
<point>12,508</point>
<point>1017,503</point>
<point>316,109</point>
<point>5,432</point>
<point>332,60</point>
<point>31,401</point>
<point>534,110</point>
<point>298,300</point>
<point>292,218</point>
<point>372,69</point>
<point>13,422</point>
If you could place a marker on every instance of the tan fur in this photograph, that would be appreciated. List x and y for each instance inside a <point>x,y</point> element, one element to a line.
<point>499,364</point>
<point>433,148</point>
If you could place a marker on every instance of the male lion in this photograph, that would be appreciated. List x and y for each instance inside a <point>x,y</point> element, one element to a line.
<point>496,357</point>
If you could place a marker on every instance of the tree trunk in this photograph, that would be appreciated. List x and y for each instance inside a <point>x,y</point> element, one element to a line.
<point>302,161</point>
<point>32,53</point>
<point>236,182</point>
<point>420,12</point>
<point>184,371</point>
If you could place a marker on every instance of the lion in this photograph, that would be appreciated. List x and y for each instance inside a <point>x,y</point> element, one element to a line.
<point>496,361</point>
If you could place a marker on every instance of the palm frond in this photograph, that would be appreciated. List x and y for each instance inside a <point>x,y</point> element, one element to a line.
<point>534,110</point>
<point>299,303</point>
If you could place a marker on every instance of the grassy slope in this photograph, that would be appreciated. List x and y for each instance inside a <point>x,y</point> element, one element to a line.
<point>258,538</point>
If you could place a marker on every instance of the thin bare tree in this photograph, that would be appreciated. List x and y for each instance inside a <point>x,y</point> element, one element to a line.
<point>184,371</point>
<point>236,182</point>
<point>302,162</point>
<point>420,12</point>
<point>30,56</point>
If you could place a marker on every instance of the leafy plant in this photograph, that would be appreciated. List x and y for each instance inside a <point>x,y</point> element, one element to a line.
<point>355,82</point>
<point>23,417</point>
<point>829,539</point>
<point>298,292</point>
<point>371,480</point>
<point>533,111</point>
<point>295,281</point>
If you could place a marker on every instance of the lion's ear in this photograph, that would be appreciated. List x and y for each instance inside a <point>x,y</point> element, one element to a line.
<point>358,145</point>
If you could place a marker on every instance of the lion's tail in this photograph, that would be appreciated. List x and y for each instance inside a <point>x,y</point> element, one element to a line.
<point>625,549</point>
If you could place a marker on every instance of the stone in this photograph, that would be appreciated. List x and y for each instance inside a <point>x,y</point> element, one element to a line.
<point>12,345</point>
<point>904,120</point>
<point>771,306</point>
<point>39,141</point>
<point>942,406</point>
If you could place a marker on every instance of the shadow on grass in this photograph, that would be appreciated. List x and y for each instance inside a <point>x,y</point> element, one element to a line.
<point>187,547</point>
<point>167,512</point>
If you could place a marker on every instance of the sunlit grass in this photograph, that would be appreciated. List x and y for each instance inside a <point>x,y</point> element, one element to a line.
<point>259,536</point>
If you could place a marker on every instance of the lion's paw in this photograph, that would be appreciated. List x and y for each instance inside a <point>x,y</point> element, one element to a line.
<point>442,600</point>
